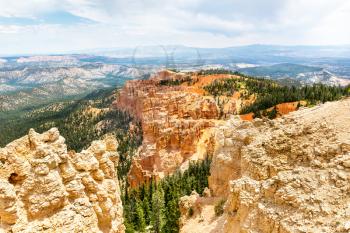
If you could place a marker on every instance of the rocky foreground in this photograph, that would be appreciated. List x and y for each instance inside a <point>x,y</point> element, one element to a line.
<point>44,188</point>
<point>287,175</point>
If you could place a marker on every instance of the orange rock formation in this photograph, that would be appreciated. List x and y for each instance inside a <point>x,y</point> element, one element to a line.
<point>174,119</point>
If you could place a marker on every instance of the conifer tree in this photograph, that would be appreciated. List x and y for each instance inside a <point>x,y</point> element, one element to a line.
<point>140,217</point>
<point>172,215</point>
<point>157,216</point>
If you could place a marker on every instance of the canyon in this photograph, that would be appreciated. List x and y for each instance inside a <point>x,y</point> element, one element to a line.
<point>178,120</point>
<point>283,175</point>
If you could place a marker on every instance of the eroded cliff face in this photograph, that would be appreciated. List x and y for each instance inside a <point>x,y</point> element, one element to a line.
<point>286,175</point>
<point>178,115</point>
<point>45,188</point>
<point>176,123</point>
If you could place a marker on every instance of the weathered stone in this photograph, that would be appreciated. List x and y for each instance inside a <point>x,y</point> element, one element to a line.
<point>41,192</point>
<point>291,175</point>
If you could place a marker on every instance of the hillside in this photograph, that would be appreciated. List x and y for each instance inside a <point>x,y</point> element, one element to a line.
<point>84,119</point>
<point>280,70</point>
<point>304,74</point>
<point>28,82</point>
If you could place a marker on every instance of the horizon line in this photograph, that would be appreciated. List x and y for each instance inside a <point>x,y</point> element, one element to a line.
<point>90,51</point>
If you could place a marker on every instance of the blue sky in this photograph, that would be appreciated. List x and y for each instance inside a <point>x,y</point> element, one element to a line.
<point>46,26</point>
<point>53,17</point>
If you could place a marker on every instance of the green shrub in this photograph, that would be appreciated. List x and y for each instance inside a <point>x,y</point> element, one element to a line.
<point>219,207</point>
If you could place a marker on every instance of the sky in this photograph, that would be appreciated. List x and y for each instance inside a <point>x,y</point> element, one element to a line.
<point>55,26</point>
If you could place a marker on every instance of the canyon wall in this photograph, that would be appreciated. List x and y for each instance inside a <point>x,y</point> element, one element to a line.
<point>286,175</point>
<point>45,188</point>
<point>176,123</point>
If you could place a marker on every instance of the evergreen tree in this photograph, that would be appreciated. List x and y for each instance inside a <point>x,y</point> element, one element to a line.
<point>157,216</point>
<point>161,199</point>
<point>172,215</point>
<point>146,209</point>
<point>140,217</point>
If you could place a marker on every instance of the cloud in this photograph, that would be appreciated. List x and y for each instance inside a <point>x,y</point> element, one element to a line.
<point>206,23</point>
<point>10,29</point>
<point>26,9</point>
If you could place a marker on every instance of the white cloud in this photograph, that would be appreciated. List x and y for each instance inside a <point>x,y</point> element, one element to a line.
<point>6,29</point>
<point>204,23</point>
<point>28,9</point>
<point>332,27</point>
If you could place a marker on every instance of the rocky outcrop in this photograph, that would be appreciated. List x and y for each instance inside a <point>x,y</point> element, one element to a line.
<point>286,175</point>
<point>45,188</point>
<point>174,121</point>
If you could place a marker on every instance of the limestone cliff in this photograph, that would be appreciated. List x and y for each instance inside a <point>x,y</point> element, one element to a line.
<point>286,175</point>
<point>45,188</point>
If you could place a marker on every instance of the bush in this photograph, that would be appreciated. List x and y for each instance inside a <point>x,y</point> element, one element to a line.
<point>219,207</point>
<point>272,114</point>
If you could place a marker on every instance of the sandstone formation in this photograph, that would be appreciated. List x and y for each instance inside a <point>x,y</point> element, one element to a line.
<point>44,188</point>
<point>286,175</point>
<point>177,114</point>
<point>174,121</point>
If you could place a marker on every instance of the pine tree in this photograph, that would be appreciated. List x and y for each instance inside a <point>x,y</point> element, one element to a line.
<point>140,218</point>
<point>172,215</point>
<point>129,227</point>
<point>146,209</point>
<point>157,216</point>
